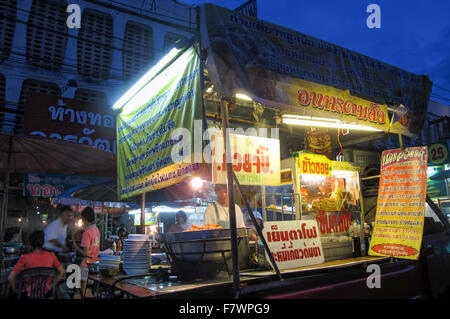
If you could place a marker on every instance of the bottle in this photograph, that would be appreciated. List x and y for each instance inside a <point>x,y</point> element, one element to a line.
<point>119,246</point>
<point>114,246</point>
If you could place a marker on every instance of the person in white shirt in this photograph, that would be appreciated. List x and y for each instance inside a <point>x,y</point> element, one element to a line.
<point>218,212</point>
<point>56,231</point>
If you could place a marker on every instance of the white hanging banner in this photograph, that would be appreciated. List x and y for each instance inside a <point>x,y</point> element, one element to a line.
<point>294,243</point>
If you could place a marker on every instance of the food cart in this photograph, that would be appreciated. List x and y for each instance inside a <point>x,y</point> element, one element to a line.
<point>174,95</point>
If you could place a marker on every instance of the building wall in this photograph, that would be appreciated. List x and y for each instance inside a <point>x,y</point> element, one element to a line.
<point>118,41</point>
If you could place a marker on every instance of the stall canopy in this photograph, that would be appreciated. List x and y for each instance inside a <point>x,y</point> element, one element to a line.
<point>157,116</point>
<point>307,78</point>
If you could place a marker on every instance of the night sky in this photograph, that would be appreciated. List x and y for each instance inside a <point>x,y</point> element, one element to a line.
<point>414,34</point>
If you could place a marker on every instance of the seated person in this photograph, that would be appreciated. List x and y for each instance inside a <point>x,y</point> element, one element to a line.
<point>13,234</point>
<point>180,223</point>
<point>37,258</point>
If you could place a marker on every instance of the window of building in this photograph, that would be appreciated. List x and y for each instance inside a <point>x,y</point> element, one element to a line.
<point>94,46</point>
<point>47,34</point>
<point>172,40</point>
<point>7,26</point>
<point>137,49</point>
<point>90,96</point>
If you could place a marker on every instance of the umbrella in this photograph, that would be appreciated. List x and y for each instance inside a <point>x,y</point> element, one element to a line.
<point>34,154</point>
<point>441,176</point>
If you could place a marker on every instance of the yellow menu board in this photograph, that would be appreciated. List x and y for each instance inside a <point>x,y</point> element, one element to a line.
<point>401,203</point>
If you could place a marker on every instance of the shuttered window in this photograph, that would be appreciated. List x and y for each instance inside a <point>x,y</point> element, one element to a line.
<point>137,54</point>
<point>47,34</point>
<point>7,26</point>
<point>90,96</point>
<point>172,40</point>
<point>94,45</point>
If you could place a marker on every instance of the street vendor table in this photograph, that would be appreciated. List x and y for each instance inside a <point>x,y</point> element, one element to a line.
<point>143,287</point>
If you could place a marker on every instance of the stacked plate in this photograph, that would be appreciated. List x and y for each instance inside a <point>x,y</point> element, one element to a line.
<point>136,254</point>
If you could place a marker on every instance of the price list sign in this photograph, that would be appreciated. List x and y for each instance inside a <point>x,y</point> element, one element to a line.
<point>401,203</point>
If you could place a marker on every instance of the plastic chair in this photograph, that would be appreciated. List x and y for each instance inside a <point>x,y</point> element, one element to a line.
<point>37,279</point>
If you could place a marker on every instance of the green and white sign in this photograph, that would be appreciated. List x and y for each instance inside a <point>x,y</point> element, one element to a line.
<point>148,128</point>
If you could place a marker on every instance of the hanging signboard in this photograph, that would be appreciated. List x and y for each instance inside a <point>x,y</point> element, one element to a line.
<point>294,72</point>
<point>256,160</point>
<point>146,127</point>
<point>318,141</point>
<point>286,176</point>
<point>70,120</point>
<point>51,185</point>
<point>249,8</point>
<point>438,154</point>
<point>294,243</point>
<point>314,164</point>
<point>401,203</point>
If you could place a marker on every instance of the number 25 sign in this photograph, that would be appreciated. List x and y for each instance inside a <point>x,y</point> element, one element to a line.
<point>438,153</point>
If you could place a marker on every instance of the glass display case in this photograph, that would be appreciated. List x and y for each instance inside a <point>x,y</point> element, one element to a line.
<point>325,191</point>
<point>333,200</point>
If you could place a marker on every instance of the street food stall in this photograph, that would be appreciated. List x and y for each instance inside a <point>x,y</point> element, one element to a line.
<point>312,207</point>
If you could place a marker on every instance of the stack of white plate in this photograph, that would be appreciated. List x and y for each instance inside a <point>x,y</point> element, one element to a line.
<point>109,261</point>
<point>137,252</point>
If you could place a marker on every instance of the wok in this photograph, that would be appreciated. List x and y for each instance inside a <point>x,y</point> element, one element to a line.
<point>201,254</point>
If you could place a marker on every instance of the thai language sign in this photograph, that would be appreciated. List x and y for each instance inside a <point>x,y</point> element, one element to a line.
<point>70,120</point>
<point>401,203</point>
<point>285,69</point>
<point>256,160</point>
<point>314,164</point>
<point>46,185</point>
<point>147,129</point>
<point>294,243</point>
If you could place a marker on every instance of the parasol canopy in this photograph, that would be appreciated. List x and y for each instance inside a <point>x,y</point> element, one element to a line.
<point>22,154</point>
<point>35,154</point>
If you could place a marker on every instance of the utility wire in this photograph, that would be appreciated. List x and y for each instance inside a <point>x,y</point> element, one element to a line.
<point>441,88</point>
<point>440,97</point>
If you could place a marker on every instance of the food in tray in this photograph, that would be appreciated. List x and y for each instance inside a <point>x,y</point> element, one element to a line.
<point>327,204</point>
<point>272,207</point>
<point>206,227</point>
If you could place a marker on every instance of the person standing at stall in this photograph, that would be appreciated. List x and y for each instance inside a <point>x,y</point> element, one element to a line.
<point>89,247</point>
<point>218,212</point>
<point>56,231</point>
